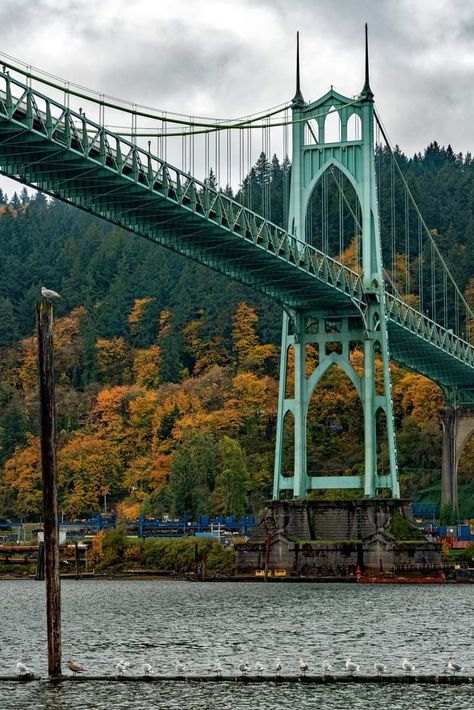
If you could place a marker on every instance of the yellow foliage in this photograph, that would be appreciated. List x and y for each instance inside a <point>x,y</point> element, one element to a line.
<point>128,511</point>
<point>146,367</point>
<point>137,313</point>
<point>22,474</point>
<point>96,553</point>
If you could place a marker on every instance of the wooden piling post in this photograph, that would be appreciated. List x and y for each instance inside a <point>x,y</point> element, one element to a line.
<point>76,559</point>
<point>44,323</point>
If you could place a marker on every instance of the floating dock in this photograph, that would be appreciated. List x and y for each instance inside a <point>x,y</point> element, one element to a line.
<point>385,679</point>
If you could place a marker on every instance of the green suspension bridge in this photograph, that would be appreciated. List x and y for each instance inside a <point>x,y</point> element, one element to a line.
<point>343,281</point>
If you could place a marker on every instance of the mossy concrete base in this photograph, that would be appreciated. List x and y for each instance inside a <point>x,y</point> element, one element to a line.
<point>334,538</point>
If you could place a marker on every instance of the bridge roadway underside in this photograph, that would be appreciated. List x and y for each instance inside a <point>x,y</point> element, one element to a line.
<point>92,186</point>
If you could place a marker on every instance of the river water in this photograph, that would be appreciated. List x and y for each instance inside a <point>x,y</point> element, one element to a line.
<point>161,622</point>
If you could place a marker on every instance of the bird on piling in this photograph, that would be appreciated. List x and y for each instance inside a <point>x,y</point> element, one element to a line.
<point>407,666</point>
<point>277,667</point>
<point>351,666</point>
<point>22,668</point>
<point>76,667</point>
<point>453,667</point>
<point>48,293</point>
<point>259,668</point>
<point>146,668</point>
<point>303,667</point>
<point>326,666</point>
<point>380,668</point>
<point>243,667</point>
<point>179,667</point>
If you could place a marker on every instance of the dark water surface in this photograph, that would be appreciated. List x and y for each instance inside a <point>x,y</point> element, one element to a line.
<point>161,622</point>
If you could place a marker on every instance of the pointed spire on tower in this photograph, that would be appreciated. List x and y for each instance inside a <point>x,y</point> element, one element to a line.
<point>366,93</point>
<point>298,99</point>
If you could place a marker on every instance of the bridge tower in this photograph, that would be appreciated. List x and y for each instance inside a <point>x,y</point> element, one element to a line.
<point>333,332</point>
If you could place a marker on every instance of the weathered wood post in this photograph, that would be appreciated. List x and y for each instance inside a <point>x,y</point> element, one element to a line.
<point>44,323</point>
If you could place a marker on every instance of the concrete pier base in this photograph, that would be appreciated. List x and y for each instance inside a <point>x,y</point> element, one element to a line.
<point>339,539</point>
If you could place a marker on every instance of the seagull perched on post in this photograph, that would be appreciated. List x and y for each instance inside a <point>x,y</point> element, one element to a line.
<point>453,667</point>
<point>48,293</point>
<point>76,667</point>
<point>22,668</point>
<point>407,666</point>
<point>351,666</point>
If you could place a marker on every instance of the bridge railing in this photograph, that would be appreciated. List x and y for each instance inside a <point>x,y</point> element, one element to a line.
<point>74,131</point>
<point>419,324</point>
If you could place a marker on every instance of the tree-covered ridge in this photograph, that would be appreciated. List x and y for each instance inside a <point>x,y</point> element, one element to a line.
<point>160,362</point>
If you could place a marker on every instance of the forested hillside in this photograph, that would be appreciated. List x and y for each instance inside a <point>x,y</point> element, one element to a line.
<point>167,372</point>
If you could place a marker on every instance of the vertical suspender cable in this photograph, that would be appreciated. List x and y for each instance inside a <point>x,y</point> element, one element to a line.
<point>420,265</point>
<point>392,219</point>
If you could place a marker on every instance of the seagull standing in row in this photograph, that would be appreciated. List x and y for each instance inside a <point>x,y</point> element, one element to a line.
<point>380,668</point>
<point>22,668</point>
<point>146,668</point>
<point>277,667</point>
<point>303,667</point>
<point>351,666</point>
<point>326,666</point>
<point>407,666</point>
<point>179,667</point>
<point>453,667</point>
<point>76,667</point>
<point>244,667</point>
<point>259,668</point>
<point>122,667</point>
<point>48,293</point>
<point>218,667</point>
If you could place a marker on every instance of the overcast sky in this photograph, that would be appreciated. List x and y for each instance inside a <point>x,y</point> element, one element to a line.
<point>222,58</point>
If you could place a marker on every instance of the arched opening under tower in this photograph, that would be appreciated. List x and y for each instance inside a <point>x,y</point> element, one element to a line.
<point>383,457</point>
<point>288,460</point>
<point>334,219</point>
<point>335,432</point>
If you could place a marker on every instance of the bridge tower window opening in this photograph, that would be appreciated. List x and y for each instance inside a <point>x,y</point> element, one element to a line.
<point>333,218</point>
<point>354,128</point>
<point>332,126</point>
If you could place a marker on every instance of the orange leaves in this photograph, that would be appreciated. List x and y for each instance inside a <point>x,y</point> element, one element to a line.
<point>89,467</point>
<point>22,474</point>
<point>419,397</point>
